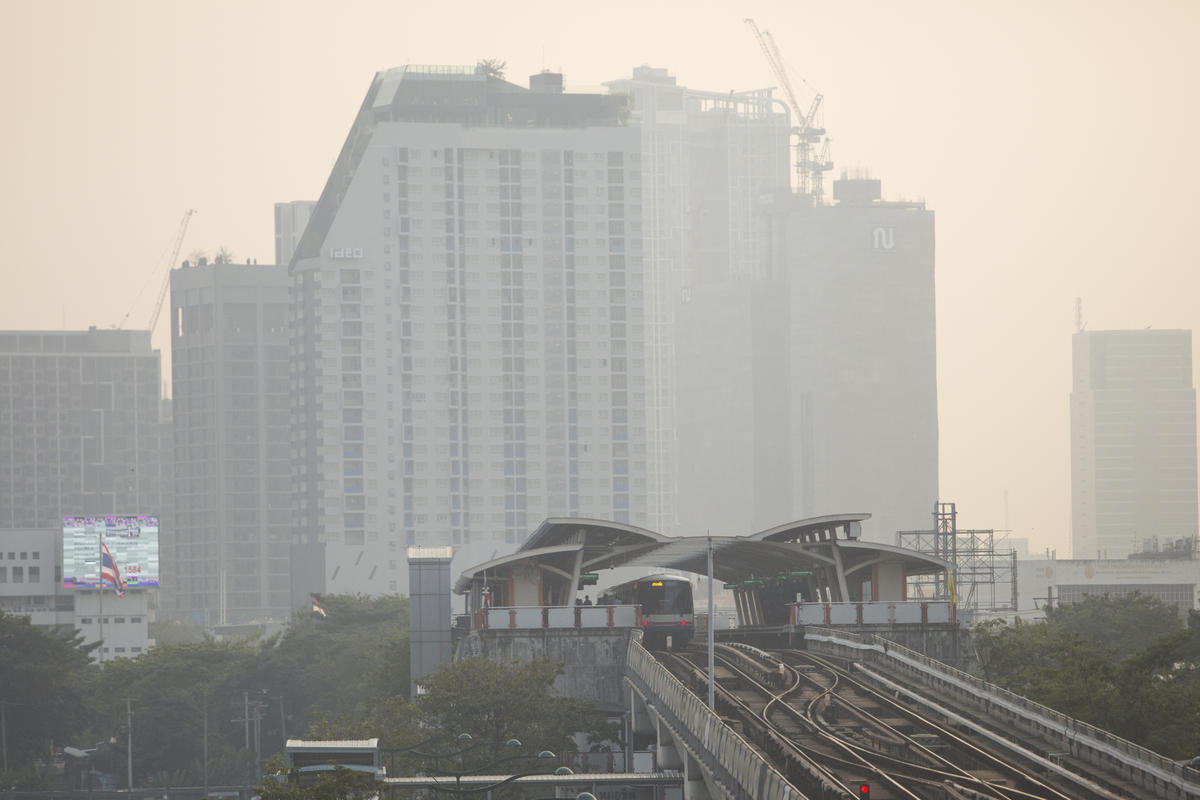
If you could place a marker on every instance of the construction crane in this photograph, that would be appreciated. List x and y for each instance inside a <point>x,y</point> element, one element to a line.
<point>166,282</point>
<point>810,170</point>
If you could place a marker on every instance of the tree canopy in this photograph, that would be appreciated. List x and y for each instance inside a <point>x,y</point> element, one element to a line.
<point>352,662</point>
<point>43,686</point>
<point>497,702</point>
<point>492,67</point>
<point>1124,664</point>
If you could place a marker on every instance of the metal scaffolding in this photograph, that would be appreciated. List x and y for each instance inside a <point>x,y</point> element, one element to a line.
<point>984,577</point>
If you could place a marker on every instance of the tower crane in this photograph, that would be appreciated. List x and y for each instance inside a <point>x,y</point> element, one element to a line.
<point>810,170</point>
<point>166,282</point>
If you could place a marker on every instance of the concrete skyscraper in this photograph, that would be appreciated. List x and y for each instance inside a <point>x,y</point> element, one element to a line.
<point>468,335</point>
<point>713,166</point>
<point>229,555</point>
<point>1133,441</point>
<point>863,359</point>
<point>80,426</point>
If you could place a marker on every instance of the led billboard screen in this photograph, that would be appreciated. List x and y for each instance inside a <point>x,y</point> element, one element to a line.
<point>133,542</point>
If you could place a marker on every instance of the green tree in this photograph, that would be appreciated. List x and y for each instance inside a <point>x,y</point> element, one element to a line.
<point>176,692</point>
<point>165,632</point>
<point>1127,624</point>
<point>1123,664</point>
<point>345,664</point>
<point>338,784</point>
<point>1045,663</point>
<point>496,702</point>
<point>492,67</point>
<point>43,685</point>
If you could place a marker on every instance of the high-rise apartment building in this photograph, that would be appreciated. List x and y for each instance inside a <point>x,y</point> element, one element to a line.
<point>467,303</point>
<point>80,426</point>
<point>1133,441</point>
<point>862,369</point>
<point>229,555</point>
<point>290,222</point>
<point>713,166</point>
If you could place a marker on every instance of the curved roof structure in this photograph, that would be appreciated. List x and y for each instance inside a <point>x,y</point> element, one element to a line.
<point>566,547</point>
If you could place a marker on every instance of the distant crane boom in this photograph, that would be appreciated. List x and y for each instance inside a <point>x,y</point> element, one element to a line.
<point>809,171</point>
<point>776,64</point>
<point>166,284</point>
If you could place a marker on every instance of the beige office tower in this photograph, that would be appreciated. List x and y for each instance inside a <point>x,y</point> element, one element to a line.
<point>1133,442</point>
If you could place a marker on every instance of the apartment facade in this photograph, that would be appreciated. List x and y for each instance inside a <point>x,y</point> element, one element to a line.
<point>468,324</point>
<point>81,426</point>
<point>229,557</point>
<point>714,164</point>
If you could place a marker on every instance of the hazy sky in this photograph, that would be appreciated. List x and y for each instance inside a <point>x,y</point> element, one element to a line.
<point>1057,142</point>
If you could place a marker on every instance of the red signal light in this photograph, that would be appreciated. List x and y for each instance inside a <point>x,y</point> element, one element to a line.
<point>683,622</point>
<point>864,791</point>
<point>644,623</point>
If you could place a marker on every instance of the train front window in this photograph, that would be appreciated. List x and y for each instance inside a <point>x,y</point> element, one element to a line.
<point>665,597</point>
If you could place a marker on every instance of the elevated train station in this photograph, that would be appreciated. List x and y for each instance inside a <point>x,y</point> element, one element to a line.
<point>814,571</point>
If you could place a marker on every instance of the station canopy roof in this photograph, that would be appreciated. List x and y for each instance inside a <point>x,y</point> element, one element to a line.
<point>794,546</point>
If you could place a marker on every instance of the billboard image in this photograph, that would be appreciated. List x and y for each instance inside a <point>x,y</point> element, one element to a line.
<point>132,540</point>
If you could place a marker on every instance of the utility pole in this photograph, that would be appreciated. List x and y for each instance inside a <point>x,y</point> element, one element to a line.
<point>4,731</point>
<point>206,745</point>
<point>129,741</point>
<point>282,722</point>
<point>246,716</point>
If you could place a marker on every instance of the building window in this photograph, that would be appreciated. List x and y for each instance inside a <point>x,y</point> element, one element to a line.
<point>135,620</point>
<point>118,620</point>
<point>18,574</point>
<point>37,556</point>
<point>86,621</point>
<point>35,574</point>
<point>135,649</point>
<point>3,574</point>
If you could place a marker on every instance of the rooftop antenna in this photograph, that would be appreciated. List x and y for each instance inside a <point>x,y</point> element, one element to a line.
<point>1079,326</point>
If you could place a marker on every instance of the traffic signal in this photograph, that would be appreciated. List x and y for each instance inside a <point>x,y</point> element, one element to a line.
<point>864,791</point>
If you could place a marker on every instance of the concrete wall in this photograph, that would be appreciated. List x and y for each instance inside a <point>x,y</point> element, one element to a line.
<point>429,610</point>
<point>593,660</point>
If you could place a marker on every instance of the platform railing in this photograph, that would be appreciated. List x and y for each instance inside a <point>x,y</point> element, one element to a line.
<point>876,612</point>
<point>532,617</point>
<point>738,765</point>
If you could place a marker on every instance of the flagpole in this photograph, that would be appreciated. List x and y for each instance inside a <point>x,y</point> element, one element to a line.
<point>100,568</point>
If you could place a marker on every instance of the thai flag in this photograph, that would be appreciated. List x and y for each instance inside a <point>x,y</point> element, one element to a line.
<point>109,571</point>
